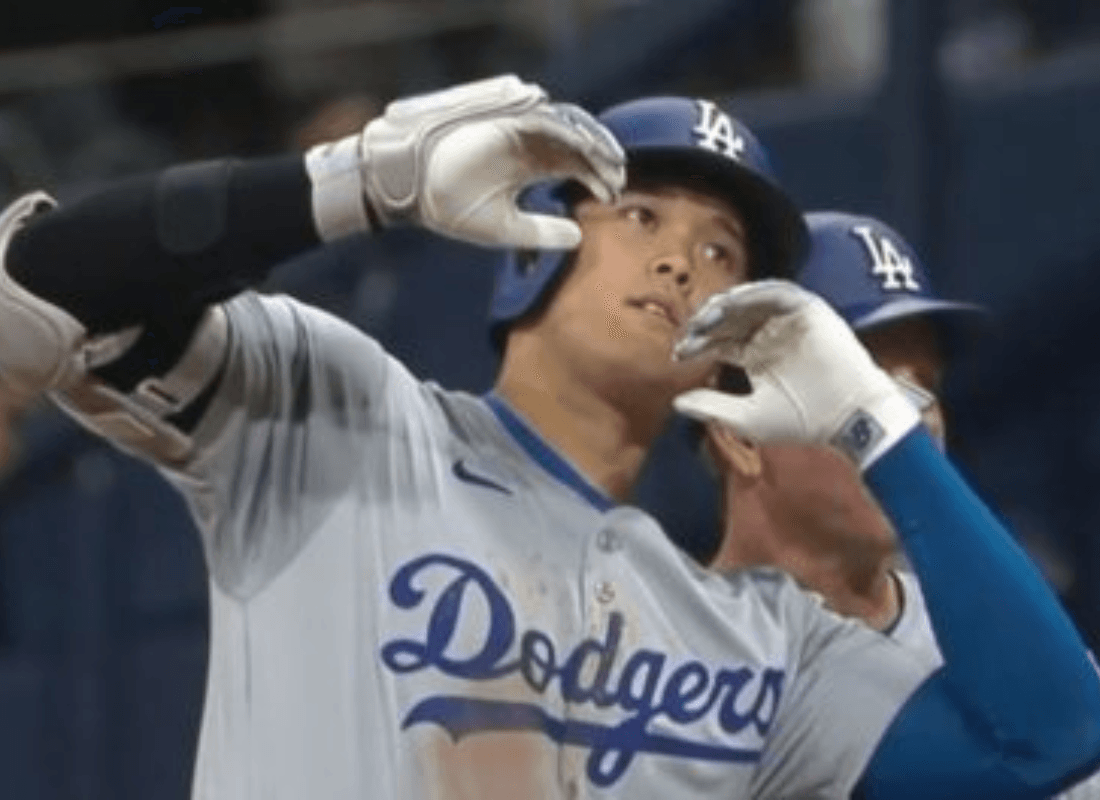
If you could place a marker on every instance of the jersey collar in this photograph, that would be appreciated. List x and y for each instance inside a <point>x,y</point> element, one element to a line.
<point>544,454</point>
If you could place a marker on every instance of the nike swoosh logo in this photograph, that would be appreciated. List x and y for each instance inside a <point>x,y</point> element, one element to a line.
<point>462,472</point>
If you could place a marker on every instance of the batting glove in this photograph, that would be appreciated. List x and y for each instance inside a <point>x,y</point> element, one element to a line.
<point>455,161</point>
<point>812,381</point>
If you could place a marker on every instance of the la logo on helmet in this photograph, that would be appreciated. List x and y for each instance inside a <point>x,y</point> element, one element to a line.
<point>891,267</point>
<point>716,132</point>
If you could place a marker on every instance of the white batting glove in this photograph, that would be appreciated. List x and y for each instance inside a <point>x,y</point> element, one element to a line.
<point>455,161</point>
<point>812,380</point>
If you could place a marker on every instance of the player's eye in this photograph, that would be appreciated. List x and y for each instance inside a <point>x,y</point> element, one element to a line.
<point>723,255</point>
<point>716,253</point>
<point>640,215</point>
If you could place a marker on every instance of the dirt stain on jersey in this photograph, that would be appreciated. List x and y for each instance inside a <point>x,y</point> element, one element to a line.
<point>495,766</point>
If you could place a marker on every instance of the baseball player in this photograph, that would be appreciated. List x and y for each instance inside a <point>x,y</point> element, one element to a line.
<point>423,593</point>
<point>805,510</point>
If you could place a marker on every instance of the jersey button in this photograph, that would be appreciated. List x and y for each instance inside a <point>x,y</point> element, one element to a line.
<point>608,540</point>
<point>605,591</point>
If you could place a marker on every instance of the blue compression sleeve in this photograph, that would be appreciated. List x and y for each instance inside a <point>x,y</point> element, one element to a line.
<point>1015,710</point>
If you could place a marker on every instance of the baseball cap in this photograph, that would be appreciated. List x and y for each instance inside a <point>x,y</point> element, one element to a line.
<point>871,275</point>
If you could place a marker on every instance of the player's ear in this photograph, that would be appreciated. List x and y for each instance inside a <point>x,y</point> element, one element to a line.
<point>734,452</point>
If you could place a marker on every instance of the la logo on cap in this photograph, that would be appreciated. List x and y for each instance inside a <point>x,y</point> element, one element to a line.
<point>891,267</point>
<point>716,132</point>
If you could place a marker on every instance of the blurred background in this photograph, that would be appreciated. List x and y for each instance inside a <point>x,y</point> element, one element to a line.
<point>972,126</point>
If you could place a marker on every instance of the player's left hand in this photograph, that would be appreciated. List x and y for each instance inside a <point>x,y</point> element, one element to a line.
<point>812,381</point>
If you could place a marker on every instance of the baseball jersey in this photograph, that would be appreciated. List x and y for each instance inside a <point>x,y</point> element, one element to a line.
<point>414,595</point>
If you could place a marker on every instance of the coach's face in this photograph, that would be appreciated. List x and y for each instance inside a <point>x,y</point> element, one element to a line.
<point>646,262</point>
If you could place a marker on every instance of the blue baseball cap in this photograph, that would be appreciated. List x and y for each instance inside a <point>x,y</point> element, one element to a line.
<point>872,277</point>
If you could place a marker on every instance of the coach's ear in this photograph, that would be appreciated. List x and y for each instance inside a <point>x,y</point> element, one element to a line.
<point>734,452</point>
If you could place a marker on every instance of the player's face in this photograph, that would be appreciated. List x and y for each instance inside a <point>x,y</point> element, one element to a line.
<point>646,262</point>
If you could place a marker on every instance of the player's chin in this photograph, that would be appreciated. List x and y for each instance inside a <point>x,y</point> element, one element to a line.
<point>669,378</point>
<point>645,351</point>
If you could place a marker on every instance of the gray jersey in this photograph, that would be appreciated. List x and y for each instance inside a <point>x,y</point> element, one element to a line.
<point>913,630</point>
<point>412,595</point>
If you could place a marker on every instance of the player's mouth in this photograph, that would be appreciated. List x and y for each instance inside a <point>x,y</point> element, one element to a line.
<point>658,306</point>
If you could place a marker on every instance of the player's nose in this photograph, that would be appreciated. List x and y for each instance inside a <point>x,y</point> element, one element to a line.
<point>673,262</point>
<point>676,269</point>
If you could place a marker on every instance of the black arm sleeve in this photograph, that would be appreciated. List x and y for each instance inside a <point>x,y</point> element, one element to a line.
<point>156,250</point>
<point>165,245</point>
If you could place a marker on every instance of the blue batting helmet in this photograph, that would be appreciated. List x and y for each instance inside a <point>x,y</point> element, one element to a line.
<point>871,276</point>
<point>680,139</point>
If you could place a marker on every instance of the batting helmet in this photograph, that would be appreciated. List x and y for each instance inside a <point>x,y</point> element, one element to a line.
<point>680,139</point>
<point>871,276</point>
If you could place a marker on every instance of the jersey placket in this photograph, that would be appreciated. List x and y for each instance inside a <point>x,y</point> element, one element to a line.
<point>598,584</point>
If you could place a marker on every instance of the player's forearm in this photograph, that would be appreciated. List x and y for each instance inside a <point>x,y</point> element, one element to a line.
<point>162,245</point>
<point>1013,658</point>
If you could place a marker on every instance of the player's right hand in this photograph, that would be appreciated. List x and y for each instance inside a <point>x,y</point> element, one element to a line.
<point>455,161</point>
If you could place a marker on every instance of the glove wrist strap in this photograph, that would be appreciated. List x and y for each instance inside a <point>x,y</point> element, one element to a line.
<point>338,197</point>
<point>870,431</point>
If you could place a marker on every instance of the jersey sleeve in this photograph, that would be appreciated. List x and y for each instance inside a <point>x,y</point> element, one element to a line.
<point>913,629</point>
<point>848,678</point>
<point>301,395</point>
